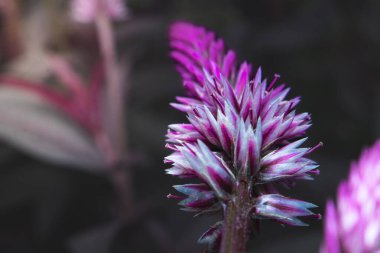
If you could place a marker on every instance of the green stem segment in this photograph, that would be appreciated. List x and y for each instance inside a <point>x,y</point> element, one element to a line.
<point>237,221</point>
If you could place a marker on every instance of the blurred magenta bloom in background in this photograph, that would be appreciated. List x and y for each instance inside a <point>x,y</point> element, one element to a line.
<point>353,225</point>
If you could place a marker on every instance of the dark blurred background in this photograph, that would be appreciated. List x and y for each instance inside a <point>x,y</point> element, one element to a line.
<point>327,51</point>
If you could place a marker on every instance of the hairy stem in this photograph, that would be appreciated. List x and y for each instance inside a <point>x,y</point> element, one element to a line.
<point>237,222</point>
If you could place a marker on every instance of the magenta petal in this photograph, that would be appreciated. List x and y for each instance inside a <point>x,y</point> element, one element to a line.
<point>331,237</point>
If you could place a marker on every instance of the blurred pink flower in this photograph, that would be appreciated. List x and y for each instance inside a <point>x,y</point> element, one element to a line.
<point>85,11</point>
<point>353,226</point>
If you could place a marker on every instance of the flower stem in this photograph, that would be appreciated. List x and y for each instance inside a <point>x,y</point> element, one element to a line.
<point>114,88</point>
<point>11,23</point>
<point>119,174</point>
<point>122,180</point>
<point>237,221</point>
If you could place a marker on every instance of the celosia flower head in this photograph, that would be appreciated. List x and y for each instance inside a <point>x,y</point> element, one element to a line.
<point>353,225</point>
<point>240,128</point>
<point>85,11</point>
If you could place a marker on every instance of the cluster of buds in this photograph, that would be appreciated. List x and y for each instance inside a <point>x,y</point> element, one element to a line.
<point>353,225</point>
<point>243,139</point>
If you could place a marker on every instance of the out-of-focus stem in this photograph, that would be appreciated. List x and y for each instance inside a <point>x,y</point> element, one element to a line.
<point>104,143</point>
<point>119,174</point>
<point>9,9</point>
<point>114,88</point>
<point>237,221</point>
<point>121,178</point>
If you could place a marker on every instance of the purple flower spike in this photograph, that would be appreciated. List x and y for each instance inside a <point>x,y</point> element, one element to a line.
<point>243,135</point>
<point>353,225</point>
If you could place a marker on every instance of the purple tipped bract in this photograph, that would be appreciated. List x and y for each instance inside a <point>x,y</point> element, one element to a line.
<point>240,126</point>
<point>353,225</point>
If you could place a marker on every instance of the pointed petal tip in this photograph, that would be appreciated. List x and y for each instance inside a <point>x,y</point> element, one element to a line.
<point>172,196</point>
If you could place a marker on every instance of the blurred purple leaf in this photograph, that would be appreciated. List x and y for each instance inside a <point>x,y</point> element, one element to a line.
<point>30,123</point>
